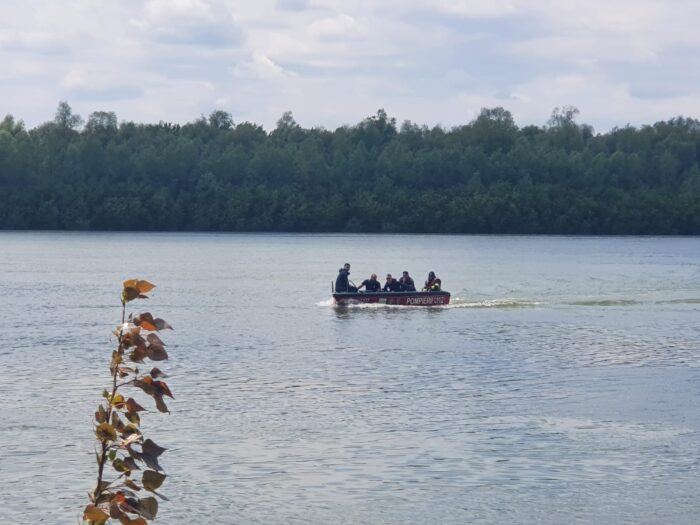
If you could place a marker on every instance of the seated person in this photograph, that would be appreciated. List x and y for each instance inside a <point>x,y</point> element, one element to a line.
<point>391,285</point>
<point>433,283</point>
<point>371,284</point>
<point>407,284</point>
<point>342,283</point>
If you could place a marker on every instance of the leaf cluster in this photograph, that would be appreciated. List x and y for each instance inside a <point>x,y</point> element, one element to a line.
<point>122,446</point>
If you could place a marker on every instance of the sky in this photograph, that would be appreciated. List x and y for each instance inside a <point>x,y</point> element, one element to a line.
<point>334,63</point>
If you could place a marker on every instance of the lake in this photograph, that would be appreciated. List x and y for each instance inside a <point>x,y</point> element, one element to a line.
<point>562,385</point>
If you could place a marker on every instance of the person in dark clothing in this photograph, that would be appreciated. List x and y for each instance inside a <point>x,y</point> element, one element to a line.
<point>342,282</point>
<point>407,284</point>
<point>391,284</point>
<point>371,284</point>
<point>433,283</point>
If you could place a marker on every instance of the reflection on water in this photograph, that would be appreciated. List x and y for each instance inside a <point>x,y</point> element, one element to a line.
<point>560,385</point>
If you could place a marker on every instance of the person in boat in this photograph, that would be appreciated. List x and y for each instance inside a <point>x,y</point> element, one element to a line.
<point>391,284</point>
<point>342,282</point>
<point>407,284</point>
<point>433,283</point>
<point>371,284</point>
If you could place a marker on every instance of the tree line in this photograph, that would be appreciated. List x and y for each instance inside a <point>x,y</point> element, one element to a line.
<point>486,176</point>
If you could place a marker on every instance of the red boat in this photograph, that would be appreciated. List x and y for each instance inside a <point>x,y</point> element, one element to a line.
<point>432,298</point>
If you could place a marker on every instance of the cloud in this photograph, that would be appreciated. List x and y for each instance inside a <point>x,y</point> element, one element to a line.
<point>98,86</point>
<point>292,5</point>
<point>339,26</point>
<point>189,22</point>
<point>333,62</point>
<point>266,68</point>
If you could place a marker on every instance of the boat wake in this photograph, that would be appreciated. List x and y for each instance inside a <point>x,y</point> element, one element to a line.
<point>456,302</point>
<point>510,303</point>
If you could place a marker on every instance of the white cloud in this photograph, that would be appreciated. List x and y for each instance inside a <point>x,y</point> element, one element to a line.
<point>333,62</point>
<point>339,26</point>
<point>266,68</point>
<point>189,22</point>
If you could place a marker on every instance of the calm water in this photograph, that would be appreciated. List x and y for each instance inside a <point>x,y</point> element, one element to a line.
<point>562,386</point>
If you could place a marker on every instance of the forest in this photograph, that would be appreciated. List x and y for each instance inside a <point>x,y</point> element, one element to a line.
<point>486,176</point>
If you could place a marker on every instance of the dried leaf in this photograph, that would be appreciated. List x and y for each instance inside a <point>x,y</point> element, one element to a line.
<point>106,432</point>
<point>114,511</point>
<point>152,480</point>
<point>157,372</point>
<point>133,418</point>
<point>141,286</point>
<point>132,485</point>
<point>129,294</point>
<point>129,440</point>
<point>118,401</point>
<point>160,404</point>
<point>101,414</point>
<point>133,406</point>
<point>146,384</point>
<point>95,516</point>
<point>119,465</point>
<point>161,324</point>
<point>117,360</point>
<point>157,353</point>
<point>131,463</point>
<point>162,386</point>
<point>145,321</point>
<point>117,423</point>
<point>124,371</point>
<point>138,354</point>
<point>148,507</point>
<point>150,447</point>
<point>154,340</point>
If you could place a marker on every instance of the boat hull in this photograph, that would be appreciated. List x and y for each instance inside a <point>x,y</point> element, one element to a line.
<point>438,298</point>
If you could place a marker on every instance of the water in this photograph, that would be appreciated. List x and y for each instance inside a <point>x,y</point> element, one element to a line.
<point>561,386</point>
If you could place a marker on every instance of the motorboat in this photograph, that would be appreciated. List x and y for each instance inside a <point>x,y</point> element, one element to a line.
<point>422,298</point>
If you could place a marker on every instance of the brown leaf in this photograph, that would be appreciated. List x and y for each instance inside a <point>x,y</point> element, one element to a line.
<point>154,340</point>
<point>133,418</point>
<point>157,353</point>
<point>146,384</point>
<point>124,371</point>
<point>119,465</point>
<point>138,354</point>
<point>133,406</point>
<point>145,286</point>
<point>145,321</point>
<point>117,423</point>
<point>160,404</point>
<point>117,359</point>
<point>105,432</point>
<point>148,507</point>
<point>162,386</point>
<point>101,414</point>
<point>95,516</point>
<point>114,511</point>
<point>161,324</point>
<point>157,372</point>
<point>150,447</point>
<point>129,294</point>
<point>132,485</point>
<point>140,285</point>
<point>132,337</point>
<point>152,480</point>
<point>131,463</point>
